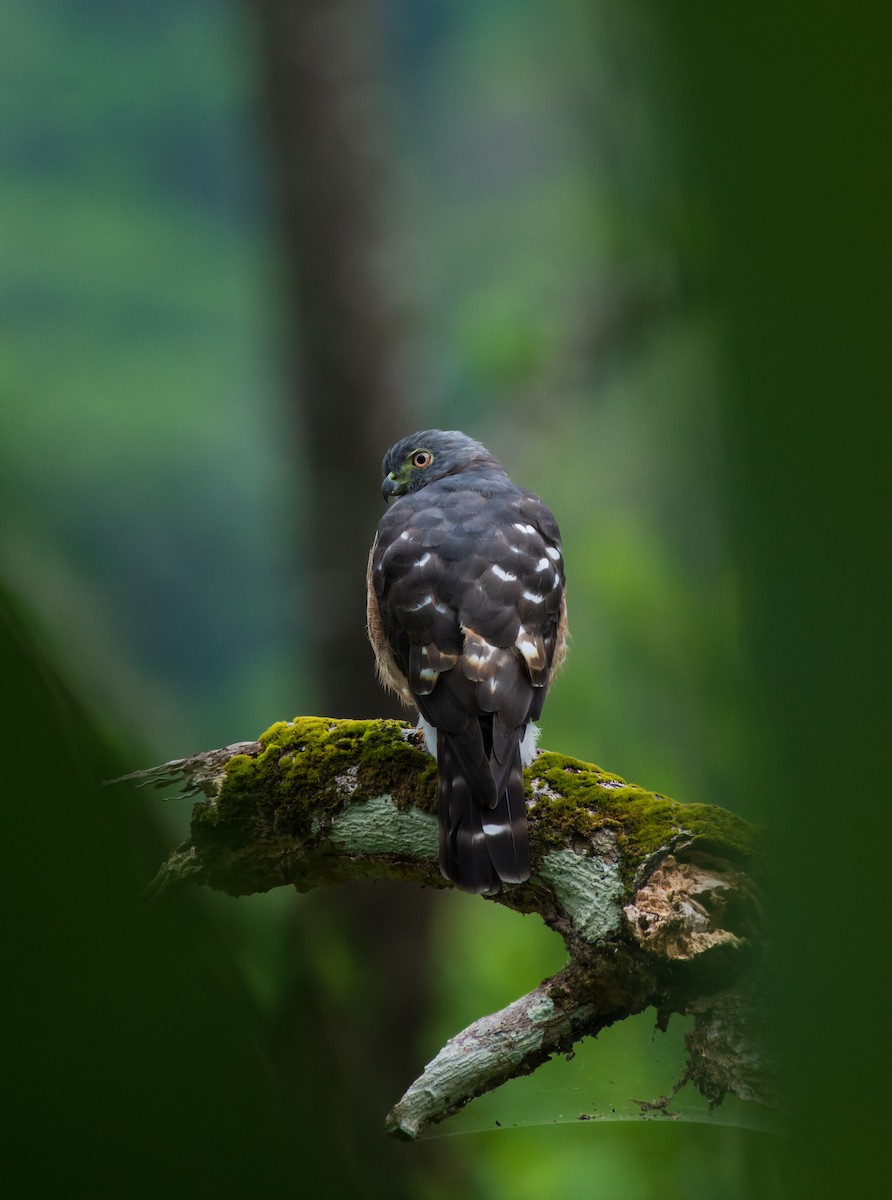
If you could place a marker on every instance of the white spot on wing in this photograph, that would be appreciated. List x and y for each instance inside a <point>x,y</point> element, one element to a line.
<point>553,552</point>
<point>405,535</point>
<point>506,575</point>
<point>422,603</point>
<point>428,674</point>
<point>524,528</point>
<point>424,560</point>
<point>534,597</point>
<point>491,830</point>
<point>542,564</point>
<point>528,744</point>
<point>479,653</point>
<point>430,735</point>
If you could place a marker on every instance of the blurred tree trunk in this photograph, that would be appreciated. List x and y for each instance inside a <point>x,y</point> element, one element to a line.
<point>345,334</point>
<point>345,341</point>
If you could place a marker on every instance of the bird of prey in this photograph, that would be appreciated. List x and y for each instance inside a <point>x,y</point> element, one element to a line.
<point>467,618</point>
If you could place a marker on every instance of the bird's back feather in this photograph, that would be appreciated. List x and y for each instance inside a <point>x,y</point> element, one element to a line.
<point>467,617</point>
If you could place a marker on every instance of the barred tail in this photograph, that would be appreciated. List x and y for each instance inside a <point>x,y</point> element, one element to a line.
<point>482,846</point>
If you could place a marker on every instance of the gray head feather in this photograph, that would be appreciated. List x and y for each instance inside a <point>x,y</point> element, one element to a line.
<point>452,452</point>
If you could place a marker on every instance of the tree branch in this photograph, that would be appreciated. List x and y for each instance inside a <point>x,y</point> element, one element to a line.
<point>657,902</point>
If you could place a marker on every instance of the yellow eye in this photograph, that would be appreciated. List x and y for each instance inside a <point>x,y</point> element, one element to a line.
<point>422,458</point>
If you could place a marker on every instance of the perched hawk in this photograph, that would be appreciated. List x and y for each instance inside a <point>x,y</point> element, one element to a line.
<point>468,622</point>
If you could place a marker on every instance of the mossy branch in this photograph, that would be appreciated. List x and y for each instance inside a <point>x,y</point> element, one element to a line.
<point>656,901</point>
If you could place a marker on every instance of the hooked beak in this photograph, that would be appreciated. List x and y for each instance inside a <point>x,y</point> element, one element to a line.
<point>391,487</point>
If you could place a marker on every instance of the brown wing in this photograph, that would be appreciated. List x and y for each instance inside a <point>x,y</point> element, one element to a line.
<point>385,659</point>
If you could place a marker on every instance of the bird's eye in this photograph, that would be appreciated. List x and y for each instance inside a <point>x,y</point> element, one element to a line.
<point>422,458</point>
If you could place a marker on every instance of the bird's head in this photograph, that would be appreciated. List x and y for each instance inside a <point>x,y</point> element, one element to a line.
<point>432,454</point>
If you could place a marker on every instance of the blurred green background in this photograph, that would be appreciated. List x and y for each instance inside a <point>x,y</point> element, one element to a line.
<point>640,254</point>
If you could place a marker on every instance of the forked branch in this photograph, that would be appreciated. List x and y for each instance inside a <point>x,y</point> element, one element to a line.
<point>656,901</point>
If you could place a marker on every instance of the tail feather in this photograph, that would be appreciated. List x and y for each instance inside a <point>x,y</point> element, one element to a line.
<point>481,845</point>
<point>505,828</point>
<point>464,858</point>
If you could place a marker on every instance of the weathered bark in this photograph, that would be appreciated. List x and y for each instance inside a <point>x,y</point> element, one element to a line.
<point>657,902</point>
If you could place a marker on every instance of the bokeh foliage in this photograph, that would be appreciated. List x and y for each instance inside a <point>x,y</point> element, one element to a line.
<point>583,204</point>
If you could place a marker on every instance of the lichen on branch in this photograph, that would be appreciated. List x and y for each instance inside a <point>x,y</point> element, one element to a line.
<point>658,902</point>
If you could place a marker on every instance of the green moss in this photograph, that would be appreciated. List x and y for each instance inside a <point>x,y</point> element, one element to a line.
<point>309,768</point>
<point>298,776</point>
<point>390,764</point>
<point>575,800</point>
